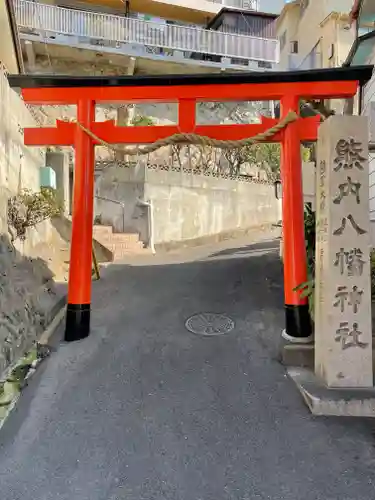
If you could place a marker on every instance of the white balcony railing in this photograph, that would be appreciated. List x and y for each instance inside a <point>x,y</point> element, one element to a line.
<point>239,4</point>
<point>120,30</point>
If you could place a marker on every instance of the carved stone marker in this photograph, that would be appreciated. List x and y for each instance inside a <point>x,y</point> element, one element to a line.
<point>343,336</point>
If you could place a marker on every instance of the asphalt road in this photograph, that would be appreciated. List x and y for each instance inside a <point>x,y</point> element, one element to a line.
<point>145,410</point>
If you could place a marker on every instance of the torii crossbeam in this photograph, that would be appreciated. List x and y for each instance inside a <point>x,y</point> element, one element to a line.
<point>85,92</point>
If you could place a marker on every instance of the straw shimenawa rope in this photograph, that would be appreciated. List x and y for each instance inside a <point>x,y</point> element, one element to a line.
<point>195,139</point>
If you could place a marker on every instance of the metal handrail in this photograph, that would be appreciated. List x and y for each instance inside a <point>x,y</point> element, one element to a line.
<point>116,202</point>
<point>118,29</point>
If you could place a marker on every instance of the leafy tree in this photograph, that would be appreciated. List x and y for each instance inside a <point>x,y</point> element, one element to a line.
<point>236,158</point>
<point>142,121</point>
<point>306,153</point>
<point>268,158</point>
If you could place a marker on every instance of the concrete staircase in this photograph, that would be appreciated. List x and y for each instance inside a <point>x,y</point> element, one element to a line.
<point>120,244</point>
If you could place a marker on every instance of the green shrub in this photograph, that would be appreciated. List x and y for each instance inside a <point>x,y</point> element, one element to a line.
<point>308,289</point>
<point>28,208</point>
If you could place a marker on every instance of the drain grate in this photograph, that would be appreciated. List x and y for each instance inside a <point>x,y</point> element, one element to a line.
<point>209,324</point>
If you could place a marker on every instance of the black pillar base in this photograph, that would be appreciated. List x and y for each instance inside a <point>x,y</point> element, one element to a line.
<point>298,324</point>
<point>77,322</point>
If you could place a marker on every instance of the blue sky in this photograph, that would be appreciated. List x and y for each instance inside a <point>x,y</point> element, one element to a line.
<point>271,5</point>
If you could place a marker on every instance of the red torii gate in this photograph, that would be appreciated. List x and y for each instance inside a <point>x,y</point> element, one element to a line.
<point>85,92</point>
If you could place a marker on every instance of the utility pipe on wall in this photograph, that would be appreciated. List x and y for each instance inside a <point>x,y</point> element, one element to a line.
<point>150,219</point>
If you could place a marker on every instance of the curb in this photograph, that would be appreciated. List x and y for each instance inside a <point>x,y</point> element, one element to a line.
<point>56,315</point>
<point>215,238</point>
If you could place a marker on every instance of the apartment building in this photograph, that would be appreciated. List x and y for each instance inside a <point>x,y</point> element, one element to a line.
<point>10,49</point>
<point>362,16</point>
<point>161,36</point>
<point>314,33</point>
<point>197,12</point>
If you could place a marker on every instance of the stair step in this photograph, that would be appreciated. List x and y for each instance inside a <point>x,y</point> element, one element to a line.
<point>120,254</point>
<point>119,238</point>
<point>102,230</point>
<point>125,246</point>
<point>119,244</point>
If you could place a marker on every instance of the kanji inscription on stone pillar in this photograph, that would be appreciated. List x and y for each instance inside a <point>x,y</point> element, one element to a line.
<point>343,335</point>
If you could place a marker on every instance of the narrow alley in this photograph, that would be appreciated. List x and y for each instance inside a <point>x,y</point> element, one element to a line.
<point>144,409</point>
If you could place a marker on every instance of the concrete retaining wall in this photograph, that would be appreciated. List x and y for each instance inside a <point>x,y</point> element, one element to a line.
<point>190,206</point>
<point>186,206</point>
<point>27,293</point>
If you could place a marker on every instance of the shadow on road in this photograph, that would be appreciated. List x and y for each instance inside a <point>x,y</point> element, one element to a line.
<point>145,409</point>
<point>248,249</point>
<point>247,287</point>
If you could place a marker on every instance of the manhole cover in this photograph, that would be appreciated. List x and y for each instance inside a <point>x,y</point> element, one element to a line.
<point>209,324</point>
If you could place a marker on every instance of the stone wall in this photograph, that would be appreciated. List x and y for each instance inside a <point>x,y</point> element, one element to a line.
<point>19,165</point>
<point>27,292</point>
<point>186,206</point>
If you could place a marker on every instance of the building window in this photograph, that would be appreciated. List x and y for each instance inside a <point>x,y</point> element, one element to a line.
<point>283,40</point>
<point>264,65</point>
<point>294,47</point>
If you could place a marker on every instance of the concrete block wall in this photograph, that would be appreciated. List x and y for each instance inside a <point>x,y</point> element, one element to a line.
<point>186,206</point>
<point>190,206</point>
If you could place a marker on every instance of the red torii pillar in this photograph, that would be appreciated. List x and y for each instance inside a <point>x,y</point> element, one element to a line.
<point>86,92</point>
<point>80,269</point>
<point>297,316</point>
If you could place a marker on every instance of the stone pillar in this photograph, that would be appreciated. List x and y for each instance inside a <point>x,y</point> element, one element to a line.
<point>30,53</point>
<point>343,334</point>
<point>59,162</point>
<point>125,114</point>
<point>124,118</point>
